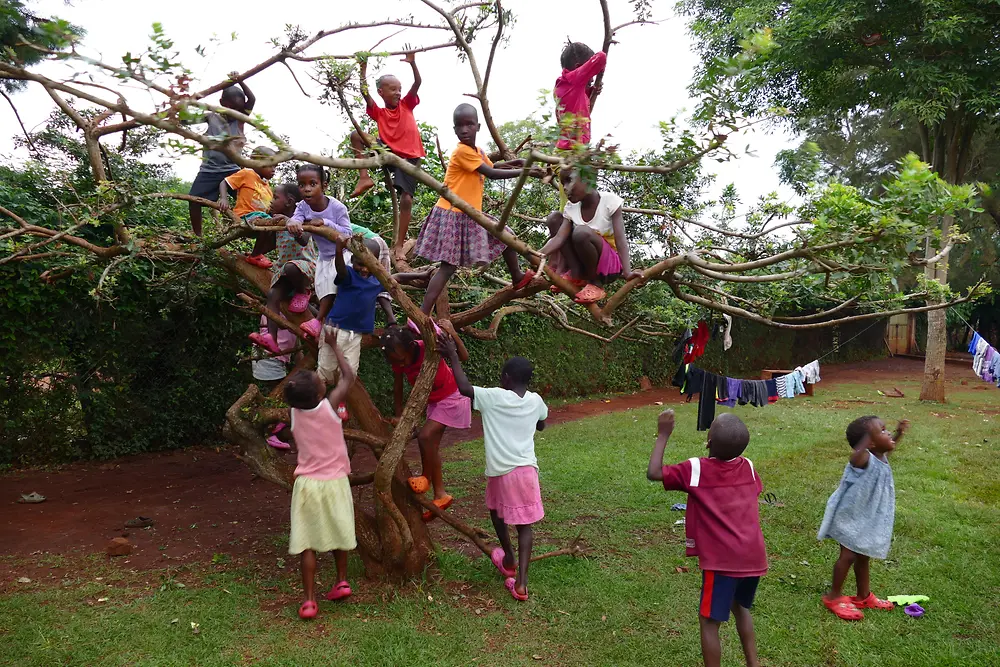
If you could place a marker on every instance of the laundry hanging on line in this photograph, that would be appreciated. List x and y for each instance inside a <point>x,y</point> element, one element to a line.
<point>713,389</point>
<point>985,359</point>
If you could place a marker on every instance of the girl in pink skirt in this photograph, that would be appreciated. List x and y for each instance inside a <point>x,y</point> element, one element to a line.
<point>446,407</point>
<point>588,238</point>
<point>511,415</point>
<point>450,236</point>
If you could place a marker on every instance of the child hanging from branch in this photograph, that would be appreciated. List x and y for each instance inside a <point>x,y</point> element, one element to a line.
<point>216,165</point>
<point>573,91</point>
<point>511,415</point>
<point>450,236</point>
<point>397,129</point>
<point>587,241</point>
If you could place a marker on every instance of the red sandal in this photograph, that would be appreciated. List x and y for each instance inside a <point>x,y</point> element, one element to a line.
<point>872,602</point>
<point>442,504</point>
<point>511,585</point>
<point>259,261</point>
<point>265,341</point>
<point>419,485</point>
<point>843,608</point>
<point>308,610</point>
<point>590,294</point>
<point>529,275</point>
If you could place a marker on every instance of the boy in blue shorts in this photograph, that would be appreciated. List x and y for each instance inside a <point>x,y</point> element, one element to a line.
<point>722,528</point>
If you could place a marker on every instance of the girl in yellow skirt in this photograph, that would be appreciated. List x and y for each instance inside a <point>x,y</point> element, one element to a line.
<point>322,505</point>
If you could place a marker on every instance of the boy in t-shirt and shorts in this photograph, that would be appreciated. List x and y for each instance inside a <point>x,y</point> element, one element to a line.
<point>397,130</point>
<point>722,528</point>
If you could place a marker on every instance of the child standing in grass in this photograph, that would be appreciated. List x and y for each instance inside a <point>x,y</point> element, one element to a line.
<point>722,528</point>
<point>322,505</point>
<point>860,514</point>
<point>511,415</point>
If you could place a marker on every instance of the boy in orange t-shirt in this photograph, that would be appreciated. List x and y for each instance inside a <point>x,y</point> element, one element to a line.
<point>253,199</point>
<point>397,129</point>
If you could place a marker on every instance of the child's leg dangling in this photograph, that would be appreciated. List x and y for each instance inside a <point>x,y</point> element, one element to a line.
<point>436,285</point>
<point>365,181</point>
<point>429,440</point>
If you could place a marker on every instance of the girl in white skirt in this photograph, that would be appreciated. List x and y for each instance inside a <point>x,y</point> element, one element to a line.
<point>322,505</point>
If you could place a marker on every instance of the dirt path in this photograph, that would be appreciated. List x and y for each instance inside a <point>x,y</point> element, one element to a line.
<point>205,500</point>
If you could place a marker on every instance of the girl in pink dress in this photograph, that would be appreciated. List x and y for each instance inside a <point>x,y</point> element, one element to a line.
<point>322,504</point>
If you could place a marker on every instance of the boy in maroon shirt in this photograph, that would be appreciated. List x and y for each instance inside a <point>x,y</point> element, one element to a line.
<point>722,527</point>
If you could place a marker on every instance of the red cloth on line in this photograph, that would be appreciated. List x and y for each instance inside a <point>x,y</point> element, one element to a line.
<point>722,526</point>
<point>696,346</point>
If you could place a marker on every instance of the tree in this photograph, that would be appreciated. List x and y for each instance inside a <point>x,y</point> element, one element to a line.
<point>838,248</point>
<point>927,64</point>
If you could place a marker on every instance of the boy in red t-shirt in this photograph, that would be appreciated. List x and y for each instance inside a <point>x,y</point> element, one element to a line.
<point>397,129</point>
<point>722,527</point>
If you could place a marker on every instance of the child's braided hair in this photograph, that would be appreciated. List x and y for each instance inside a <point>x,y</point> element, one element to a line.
<point>397,337</point>
<point>575,54</point>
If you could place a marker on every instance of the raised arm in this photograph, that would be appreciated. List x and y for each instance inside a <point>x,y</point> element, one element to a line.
<point>363,72</point>
<point>251,99</point>
<point>589,69</point>
<point>859,457</point>
<point>338,261</point>
<point>449,328</point>
<point>339,393</point>
<point>412,59</point>
<point>447,346</point>
<point>901,428</point>
<point>665,426</point>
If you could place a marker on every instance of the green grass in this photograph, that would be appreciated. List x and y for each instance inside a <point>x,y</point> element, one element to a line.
<point>625,603</point>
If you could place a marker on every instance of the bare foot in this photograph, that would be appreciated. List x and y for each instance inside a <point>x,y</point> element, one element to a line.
<point>364,185</point>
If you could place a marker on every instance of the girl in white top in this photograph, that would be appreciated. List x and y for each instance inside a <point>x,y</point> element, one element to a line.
<point>587,242</point>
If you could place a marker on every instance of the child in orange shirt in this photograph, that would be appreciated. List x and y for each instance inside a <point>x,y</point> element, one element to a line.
<point>452,237</point>
<point>253,201</point>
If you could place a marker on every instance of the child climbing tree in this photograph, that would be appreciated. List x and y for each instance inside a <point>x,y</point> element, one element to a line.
<point>837,245</point>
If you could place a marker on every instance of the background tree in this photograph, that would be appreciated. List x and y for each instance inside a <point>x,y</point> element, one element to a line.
<point>929,66</point>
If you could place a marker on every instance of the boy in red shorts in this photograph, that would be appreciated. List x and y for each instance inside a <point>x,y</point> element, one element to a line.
<point>722,528</point>
<point>397,129</point>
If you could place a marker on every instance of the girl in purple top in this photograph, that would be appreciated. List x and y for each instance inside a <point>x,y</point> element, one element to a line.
<point>319,210</point>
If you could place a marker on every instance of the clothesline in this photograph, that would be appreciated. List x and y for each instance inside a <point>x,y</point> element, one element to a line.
<point>985,358</point>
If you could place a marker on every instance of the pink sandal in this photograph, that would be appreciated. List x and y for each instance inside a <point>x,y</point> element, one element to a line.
<point>308,610</point>
<point>273,441</point>
<point>497,558</point>
<point>312,328</point>
<point>339,591</point>
<point>590,294</point>
<point>299,302</point>
<point>265,341</point>
<point>279,427</point>
<point>511,585</point>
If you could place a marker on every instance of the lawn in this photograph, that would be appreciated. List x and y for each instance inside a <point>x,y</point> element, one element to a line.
<point>626,603</point>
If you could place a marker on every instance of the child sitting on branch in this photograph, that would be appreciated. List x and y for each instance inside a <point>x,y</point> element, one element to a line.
<point>587,241</point>
<point>573,91</point>
<point>397,130</point>
<point>450,236</point>
<point>293,273</point>
<point>216,165</point>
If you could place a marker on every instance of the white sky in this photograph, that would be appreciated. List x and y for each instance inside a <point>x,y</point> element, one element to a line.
<point>646,80</point>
